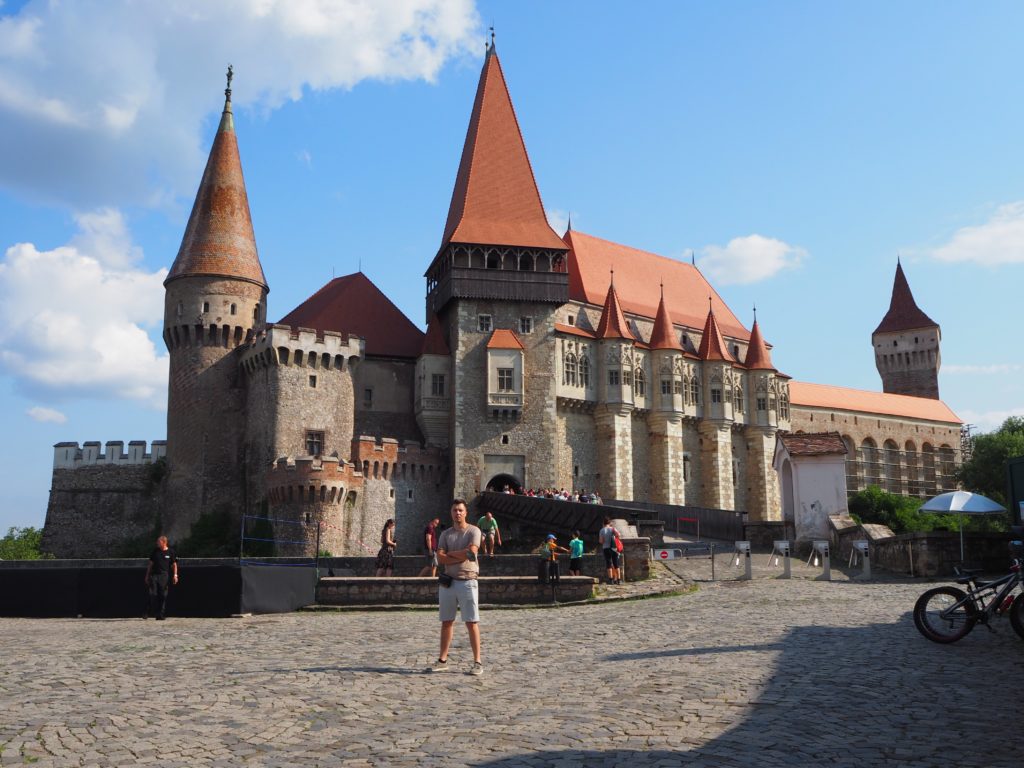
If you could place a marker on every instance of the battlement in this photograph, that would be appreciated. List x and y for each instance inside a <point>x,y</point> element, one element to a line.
<point>410,461</point>
<point>304,347</point>
<point>309,479</point>
<point>91,453</point>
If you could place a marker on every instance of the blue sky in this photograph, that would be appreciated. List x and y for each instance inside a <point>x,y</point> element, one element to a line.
<point>795,147</point>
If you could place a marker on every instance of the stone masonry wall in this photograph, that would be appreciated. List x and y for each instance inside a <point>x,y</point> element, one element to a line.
<point>95,510</point>
<point>475,432</point>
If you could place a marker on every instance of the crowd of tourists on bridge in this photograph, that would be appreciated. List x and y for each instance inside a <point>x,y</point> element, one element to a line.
<point>558,494</point>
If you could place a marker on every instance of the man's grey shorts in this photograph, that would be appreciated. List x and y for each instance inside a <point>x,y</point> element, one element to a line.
<point>465,595</point>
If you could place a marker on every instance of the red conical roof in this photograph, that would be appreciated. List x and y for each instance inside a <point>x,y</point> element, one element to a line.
<point>433,342</point>
<point>903,314</point>
<point>613,323</point>
<point>495,200</point>
<point>219,240</point>
<point>663,336</point>
<point>712,345</point>
<point>758,358</point>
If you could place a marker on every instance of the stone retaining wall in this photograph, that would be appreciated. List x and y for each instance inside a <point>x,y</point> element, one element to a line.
<point>494,590</point>
<point>505,565</point>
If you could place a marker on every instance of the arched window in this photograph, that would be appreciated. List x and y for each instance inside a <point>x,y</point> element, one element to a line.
<point>716,390</point>
<point>570,370</point>
<point>584,371</point>
<point>893,471</point>
<point>913,469</point>
<point>870,459</point>
<point>737,399</point>
<point>784,405</point>
<point>695,390</point>
<point>640,382</point>
<point>762,398</point>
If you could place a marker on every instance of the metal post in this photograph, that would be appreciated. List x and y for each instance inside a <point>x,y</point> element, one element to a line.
<point>787,571</point>
<point>866,572</point>
<point>748,571</point>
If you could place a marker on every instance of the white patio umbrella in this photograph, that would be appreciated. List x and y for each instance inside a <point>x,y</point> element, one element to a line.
<point>962,503</point>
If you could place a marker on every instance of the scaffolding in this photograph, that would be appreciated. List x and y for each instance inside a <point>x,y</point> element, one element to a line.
<point>907,473</point>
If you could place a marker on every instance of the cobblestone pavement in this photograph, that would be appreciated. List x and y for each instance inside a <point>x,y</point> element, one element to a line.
<point>763,672</point>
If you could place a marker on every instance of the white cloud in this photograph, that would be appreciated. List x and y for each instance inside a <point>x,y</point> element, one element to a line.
<point>996,369</point>
<point>987,421</point>
<point>304,157</point>
<point>558,220</point>
<point>1000,240</point>
<point>748,260</point>
<point>47,415</point>
<point>102,101</point>
<point>73,320</point>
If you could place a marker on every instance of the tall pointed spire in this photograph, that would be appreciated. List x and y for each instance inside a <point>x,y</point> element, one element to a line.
<point>613,323</point>
<point>219,239</point>
<point>712,345</point>
<point>758,358</point>
<point>495,200</point>
<point>903,314</point>
<point>663,335</point>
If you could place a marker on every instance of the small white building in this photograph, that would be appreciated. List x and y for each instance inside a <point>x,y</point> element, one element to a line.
<point>812,478</point>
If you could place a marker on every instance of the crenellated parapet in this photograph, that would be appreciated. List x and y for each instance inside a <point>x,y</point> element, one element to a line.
<point>409,462</point>
<point>92,453</point>
<point>307,479</point>
<point>302,347</point>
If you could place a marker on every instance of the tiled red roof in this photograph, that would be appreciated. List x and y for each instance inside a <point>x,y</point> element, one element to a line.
<point>613,323</point>
<point>218,238</point>
<point>758,358</point>
<point>903,314</point>
<point>433,342</point>
<point>843,399</point>
<point>663,335</point>
<point>354,305</point>
<point>502,338</point>
<point>814,444</point>
<point>495,200</point>
<point>712,345</point>
<point>572,329</point>
<point>637,274</point>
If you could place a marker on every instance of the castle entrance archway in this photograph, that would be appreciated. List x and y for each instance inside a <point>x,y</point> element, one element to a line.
<point>498,483</point>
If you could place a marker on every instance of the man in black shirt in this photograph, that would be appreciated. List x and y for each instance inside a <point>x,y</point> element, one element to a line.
<point>161,572</point>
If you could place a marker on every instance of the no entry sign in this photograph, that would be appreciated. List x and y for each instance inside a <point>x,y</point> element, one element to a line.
<point>666,554</point>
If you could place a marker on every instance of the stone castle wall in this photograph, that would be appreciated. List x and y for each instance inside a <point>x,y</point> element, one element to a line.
<point>97,510</point>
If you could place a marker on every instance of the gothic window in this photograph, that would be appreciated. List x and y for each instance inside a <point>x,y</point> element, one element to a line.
<point>738,399</point>
<point>666,386</point>
<point>437,384</point>
<point>526,325</point>
<point>505,380</point>
<point>627,378</point>
<point>314,443</point>
<point>570,370</point>
<point>784,406</point>
<point>762,398</point>
<point>483,323</point>
<point>677,386</point>
<point>695,391</point>
<point>716,394</point>
<point>640,383</point>
<point>613,378</point>
<point>584,371</point>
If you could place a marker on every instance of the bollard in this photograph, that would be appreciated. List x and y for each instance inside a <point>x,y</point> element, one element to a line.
<point>861,551</point>
<point>781,549</point>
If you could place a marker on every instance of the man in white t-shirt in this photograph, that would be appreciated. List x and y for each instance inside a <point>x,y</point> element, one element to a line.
<point>457,550</point>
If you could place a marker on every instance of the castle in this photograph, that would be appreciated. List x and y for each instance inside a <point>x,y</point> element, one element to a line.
<point>566,361</point>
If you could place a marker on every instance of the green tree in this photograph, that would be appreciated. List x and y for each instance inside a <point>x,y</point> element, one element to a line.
<point>902,514</point>
<point>985,471</point>
<point>22,544</point>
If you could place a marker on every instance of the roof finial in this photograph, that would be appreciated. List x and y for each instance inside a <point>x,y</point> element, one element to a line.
<point>227,91</point>
<point>693,259</point>
<point>897,258</point>
<point>662,283</point>
<point>492,37</point>
<point>710,309</point>
<point>568,226</point>
<point>612,270</point>
<point>755,312</point>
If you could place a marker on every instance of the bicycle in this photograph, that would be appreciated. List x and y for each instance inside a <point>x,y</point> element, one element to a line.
<point>947,614</point>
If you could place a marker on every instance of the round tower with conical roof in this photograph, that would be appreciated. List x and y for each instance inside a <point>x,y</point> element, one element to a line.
<point>215,299</point>
<point>906,345</point>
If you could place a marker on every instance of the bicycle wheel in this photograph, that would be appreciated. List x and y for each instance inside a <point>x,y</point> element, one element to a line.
<point>1017,615</point>
<point>944,614</point>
